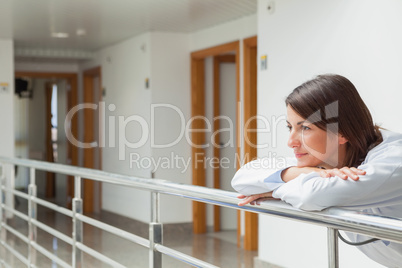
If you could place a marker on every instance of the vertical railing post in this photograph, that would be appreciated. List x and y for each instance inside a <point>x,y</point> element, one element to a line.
<point>77,224</point>
<point>333,256</point>
<point>155,232</point>
<point>32,214</point>
<point>9,183</point>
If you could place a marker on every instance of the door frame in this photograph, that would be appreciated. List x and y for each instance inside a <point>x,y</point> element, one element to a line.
<point>198,111</point>
<point>91,199</point>
<point>250,152</point>
<point>72,151</point>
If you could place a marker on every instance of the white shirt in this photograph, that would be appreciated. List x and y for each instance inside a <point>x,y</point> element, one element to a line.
<point>378,192</point>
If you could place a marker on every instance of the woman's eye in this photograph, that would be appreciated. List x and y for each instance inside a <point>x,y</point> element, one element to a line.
<point>289,127</point>
<point>305,128</point>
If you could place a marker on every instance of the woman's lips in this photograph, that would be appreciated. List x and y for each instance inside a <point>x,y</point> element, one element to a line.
<point>299,155</point>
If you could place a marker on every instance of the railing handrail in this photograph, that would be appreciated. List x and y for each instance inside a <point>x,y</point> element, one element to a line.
<point>372,225</point>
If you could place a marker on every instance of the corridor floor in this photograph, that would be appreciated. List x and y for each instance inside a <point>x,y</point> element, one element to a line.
<point>217,248</point>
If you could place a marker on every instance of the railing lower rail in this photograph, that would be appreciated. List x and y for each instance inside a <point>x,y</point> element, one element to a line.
<point>334,218</point>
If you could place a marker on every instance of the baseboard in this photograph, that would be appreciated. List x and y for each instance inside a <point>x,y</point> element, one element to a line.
<point>258,263</point>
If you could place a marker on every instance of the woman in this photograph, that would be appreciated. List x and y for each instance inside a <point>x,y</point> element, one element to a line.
<point>341,159</point>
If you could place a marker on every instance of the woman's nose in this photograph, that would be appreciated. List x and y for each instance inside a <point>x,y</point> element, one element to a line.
<point>294,139</point>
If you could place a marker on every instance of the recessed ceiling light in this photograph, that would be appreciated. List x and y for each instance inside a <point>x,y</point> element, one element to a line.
<point>81,32</point>
<point>60,35</point>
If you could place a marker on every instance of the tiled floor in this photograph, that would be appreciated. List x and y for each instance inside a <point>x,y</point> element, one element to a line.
<point>218,249</point>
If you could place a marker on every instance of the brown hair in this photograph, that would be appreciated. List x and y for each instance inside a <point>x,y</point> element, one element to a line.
<point>332,100</point>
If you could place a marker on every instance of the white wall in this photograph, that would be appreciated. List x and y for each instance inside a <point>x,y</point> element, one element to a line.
<point>7,110</point>
<point>21,139</point>
<point>125,66</point>
<point>7,98</point>
<point>37,130</point>
<point>170,90</point>
<point>355,38</point>
<point>224,33</point>
<point>163,59</point>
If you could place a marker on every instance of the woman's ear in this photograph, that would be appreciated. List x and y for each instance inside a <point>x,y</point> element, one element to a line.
<point>342,139</point>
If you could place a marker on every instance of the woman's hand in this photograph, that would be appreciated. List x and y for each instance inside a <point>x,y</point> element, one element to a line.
<point>343,173</point>
<point>254,199</point>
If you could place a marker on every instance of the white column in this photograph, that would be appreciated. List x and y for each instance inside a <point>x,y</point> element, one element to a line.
<point>7,110</point>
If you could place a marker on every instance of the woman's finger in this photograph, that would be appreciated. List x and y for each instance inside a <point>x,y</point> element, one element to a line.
<point>358,171</point>
<point>343,173</point>
<point>348,173</point>
<point>332,173</point>
<point>258,201</point>
<point>247,200</point>
<point>351,175</point>
<point>340,173</point>
<point>252,198</point>
<point>324,174</point>
<point>354,173</point>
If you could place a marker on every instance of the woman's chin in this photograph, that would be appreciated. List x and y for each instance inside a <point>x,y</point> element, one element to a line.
<point>301,163</point>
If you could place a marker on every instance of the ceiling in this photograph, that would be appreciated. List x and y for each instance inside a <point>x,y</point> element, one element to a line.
<point>93,24</point>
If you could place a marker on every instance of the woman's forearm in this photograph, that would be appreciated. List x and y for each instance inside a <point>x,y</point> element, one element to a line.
<point>293,172</point>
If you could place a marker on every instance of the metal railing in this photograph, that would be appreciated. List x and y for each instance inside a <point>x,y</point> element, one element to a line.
<point>334,218</point>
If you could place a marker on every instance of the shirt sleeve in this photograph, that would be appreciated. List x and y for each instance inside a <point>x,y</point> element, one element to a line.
<point>381,186</point>
<point>260,176</point>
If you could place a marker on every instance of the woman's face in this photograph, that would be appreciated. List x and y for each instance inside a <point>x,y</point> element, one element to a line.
<point>311,145</point>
